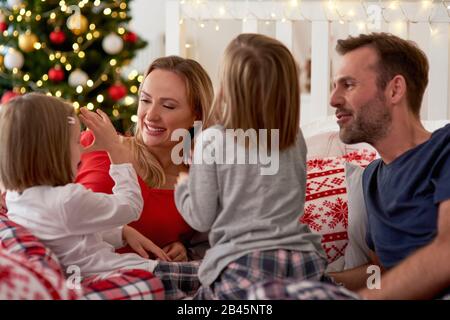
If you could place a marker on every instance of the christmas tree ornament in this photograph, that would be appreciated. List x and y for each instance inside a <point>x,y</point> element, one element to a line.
<point>27,41</point>
<point>14,3</point>
<point>8,95</point>
<point>57,36</point>
<point>112,44</point>
<point>3,26</point>
<point>2,17</point>
<point>78,78</point>
<point>130,37</point>
<point>56,74</point>
<point>2,59</point>
<point>117,91</point>
<point>77,23</point>
<point>13,59</point>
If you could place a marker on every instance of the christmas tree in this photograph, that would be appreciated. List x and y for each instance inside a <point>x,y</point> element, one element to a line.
<point>71,49</point>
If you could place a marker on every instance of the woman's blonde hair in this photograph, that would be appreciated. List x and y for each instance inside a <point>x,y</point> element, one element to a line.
<point>259,88</point>
<point>200,95</point>
<point>35,142</point>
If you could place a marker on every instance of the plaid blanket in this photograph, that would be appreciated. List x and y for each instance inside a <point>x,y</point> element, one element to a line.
<point>16,240</point>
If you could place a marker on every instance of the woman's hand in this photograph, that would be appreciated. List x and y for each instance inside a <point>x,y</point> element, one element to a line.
<point>141,244</point>
<point>176,251</point>
<point>106,137</point>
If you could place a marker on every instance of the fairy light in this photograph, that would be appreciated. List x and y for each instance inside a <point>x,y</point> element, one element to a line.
<point>92,27</point>
<point>79,89</point>
<point>58,93</point>
<point>123,6</point>
<point>90,83</point>
<point>49,94</point>
<point>107,11</point>
<point>96,34</point>
<point>63,59</point>
<point>68,67</point>
<point>22,11</point>
<point>100,98</point>
<point>113,62</point>
<point>23,90</point>
<point>104,77</point>
<point>121,30</point>
<point>75,46</point>
<point>133,89</point>
<point>426,4</point>
<point>39,83</point>
<point>5,33</point>
<point>81,4</point>
<point>58,55</point>
<point>51,57</point>
<point>80,40</point>
<point>11,18</point>
<point>26,77</point>
<point>19,18</point>
<point>116,113</point>
<point>90,106</point>
<point>16,33</point>
<point>76,105</point>
<point>52,16</point>
<point>129,100</point>
<point>38,17</point>
<point>140,78</point>
<point>45,77</point>
<point>81,54</point>
<point>393,5</point>
<point>37,45</point>
<point>97,3</point>
<point>123,15</point>
<point>28,13</point>
<point>134,118</point>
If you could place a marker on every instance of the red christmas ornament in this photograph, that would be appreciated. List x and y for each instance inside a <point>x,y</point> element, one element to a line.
<point>130,37</point>
<point>8,95</point>
<point>56,74</point>
<point>117,91</point>
<point>57,36</point>
<point>3,26</point>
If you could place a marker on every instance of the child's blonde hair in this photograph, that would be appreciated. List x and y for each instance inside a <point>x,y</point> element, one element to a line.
<point>260,88</point>
<point>200,95</point>
<point>35,142</point>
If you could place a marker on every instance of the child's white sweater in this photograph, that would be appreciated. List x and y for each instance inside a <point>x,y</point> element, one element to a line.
<point>82,227</point>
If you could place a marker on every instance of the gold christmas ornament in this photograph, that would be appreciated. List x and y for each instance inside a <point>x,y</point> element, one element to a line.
<point>27,41</point>
<point>77,23</point>
<point>1,60</point>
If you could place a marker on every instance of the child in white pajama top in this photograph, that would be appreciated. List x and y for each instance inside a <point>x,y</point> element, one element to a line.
<point>39,154</point>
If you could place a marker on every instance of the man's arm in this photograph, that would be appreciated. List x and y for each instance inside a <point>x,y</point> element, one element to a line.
<point>356,278</point>
<point>425,273</point>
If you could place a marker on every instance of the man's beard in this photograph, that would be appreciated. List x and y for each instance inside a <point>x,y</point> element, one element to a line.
<point>371,123</point>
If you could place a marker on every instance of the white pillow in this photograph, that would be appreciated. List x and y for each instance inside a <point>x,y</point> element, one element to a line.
<point>357,251</point>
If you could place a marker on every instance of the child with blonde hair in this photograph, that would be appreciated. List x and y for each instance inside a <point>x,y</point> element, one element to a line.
<point>251,211</point>
<point>39,154</point>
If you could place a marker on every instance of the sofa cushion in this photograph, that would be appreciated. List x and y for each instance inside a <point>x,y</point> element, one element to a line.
<point>326,202</point>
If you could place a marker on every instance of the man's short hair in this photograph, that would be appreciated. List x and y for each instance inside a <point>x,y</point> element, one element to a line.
<point>396,56</point>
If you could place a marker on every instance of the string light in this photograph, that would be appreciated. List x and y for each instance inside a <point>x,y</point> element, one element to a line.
<point>134,118</point>
<point>100,98</point>
<point>92,27</point>
<point>90,83</point>
<point>79,89</point>
<point>26,77</point>
<point>90,106</point>
<point>133,89</point>
<point>58,93</point>
<point>107,11</point>
<point>76,105</point>
<point>68,67</point>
